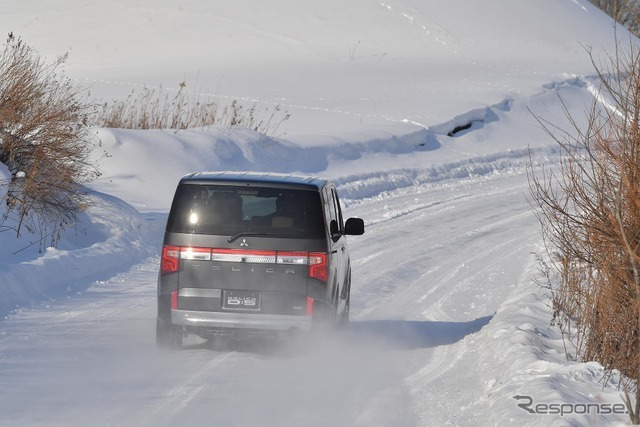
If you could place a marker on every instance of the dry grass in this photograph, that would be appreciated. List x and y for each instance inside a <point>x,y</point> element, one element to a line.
<point>590,216</point>
<point>164,109</point>
<point>626,12</point>
<point>43,141</point>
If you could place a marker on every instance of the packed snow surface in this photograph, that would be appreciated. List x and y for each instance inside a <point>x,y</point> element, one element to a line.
<point>448,324</point>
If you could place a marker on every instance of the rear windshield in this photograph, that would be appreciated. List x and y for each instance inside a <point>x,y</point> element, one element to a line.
<point>231,210</point>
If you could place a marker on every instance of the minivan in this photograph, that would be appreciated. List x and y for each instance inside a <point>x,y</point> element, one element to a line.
<point>248,253</point>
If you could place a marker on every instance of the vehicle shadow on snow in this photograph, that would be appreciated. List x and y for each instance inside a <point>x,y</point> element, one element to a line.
<point>414,334</point>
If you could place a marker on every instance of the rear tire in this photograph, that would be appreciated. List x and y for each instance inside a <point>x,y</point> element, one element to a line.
<point>325,317</point>
<point>343,320</point>
<point>168,336</point>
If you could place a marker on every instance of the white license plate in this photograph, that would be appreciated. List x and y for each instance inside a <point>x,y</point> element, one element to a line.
<point>241,300</point>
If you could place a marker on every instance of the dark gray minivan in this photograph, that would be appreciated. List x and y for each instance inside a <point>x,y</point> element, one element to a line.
<point>253,253</point>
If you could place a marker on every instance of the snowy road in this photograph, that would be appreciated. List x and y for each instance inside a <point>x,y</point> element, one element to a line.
<point>447,324</point>
<point>435,264</point>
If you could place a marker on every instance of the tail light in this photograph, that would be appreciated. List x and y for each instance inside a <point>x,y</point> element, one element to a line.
<point>316,261</point>
<point>174,300</point>
<point>309,310</point>
<point>170,259</point>
<point>318,265</point>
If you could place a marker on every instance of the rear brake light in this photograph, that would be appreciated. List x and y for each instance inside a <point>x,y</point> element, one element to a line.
<point>174,300</point>
<point>318,265</point>
<point>170,259</point>
<point>309,310</point>
<point>317,261</point>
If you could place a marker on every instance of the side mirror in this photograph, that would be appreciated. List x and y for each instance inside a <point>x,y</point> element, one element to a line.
<point>354,227</point>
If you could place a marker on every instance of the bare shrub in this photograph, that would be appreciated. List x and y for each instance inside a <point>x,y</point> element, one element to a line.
<point>626,12</point>
<point>163,109</point>
<point>589,210</point>
<point>43,141</point>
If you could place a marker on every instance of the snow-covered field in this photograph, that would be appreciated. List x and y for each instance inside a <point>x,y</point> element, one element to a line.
<point>448,326</point>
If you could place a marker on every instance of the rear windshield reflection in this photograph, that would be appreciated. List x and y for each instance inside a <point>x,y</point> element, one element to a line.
<point>230,210</point>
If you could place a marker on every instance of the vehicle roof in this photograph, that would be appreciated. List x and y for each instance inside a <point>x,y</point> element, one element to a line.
<point>260,178</point>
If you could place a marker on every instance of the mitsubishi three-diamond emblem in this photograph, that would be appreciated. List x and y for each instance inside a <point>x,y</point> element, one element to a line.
<point>244,242</point>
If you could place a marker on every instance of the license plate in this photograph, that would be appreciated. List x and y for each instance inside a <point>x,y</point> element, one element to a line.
<point>241,300</point>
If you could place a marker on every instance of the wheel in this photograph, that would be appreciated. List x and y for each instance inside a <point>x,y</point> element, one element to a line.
<point>324,316</point>
<point>168,336</point>
<point>343,320</point>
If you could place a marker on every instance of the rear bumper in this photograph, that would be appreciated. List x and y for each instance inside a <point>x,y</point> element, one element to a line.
<point>250,321</point>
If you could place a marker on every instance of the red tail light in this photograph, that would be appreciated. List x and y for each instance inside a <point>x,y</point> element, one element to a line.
<point>309,306</point>
<point>170,259</point>
<point>174,300</point>
<point>317,261</point>
<point>318,265</point>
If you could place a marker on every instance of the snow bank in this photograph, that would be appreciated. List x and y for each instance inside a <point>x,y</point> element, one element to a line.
<point>109,237</point>
<point>525,367</point>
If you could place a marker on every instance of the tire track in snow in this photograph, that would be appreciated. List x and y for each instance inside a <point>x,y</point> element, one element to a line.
<point>165,409</point>
<point>66,361</point>
<point>354,188</point>
<point>449,253</point>
<point>433,216</point>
